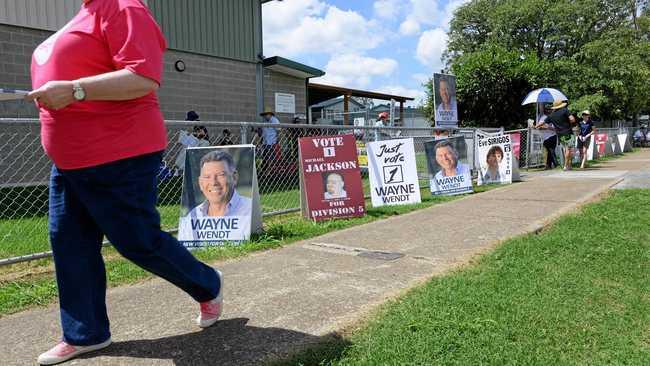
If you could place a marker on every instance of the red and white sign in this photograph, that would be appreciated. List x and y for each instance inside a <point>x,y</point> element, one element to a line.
<point>515,140</point>
<point>330,180</point>
<point>601,140</point>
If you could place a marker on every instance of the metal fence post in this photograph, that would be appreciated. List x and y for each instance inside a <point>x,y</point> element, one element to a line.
<point>243,131</point>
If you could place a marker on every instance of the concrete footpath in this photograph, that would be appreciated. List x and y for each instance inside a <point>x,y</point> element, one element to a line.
<point>278,301</point>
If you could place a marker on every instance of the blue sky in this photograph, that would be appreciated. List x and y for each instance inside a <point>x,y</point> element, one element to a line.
<point>389,46</point>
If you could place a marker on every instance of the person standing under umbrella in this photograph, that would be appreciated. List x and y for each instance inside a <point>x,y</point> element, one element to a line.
<point>549,136</point>
<point>559,117</point>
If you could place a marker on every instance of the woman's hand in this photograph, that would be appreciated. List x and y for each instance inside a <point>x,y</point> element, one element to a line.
<point>53,95</point>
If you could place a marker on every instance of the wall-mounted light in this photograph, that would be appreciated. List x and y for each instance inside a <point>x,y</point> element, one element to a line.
<point>179,65</point>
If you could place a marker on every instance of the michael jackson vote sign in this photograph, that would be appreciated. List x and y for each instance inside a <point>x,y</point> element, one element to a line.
<point>393,172</point>
<point>330,180</point>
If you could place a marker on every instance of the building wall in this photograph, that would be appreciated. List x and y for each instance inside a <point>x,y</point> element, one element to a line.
<point>275,82</point>
<point>38,14</point>
<point>16,47</point>
<point>222,28</point>
<point>218,89</point>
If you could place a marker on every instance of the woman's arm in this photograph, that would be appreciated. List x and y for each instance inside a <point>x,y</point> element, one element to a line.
<point>593,131</point>
<point>115,85</point>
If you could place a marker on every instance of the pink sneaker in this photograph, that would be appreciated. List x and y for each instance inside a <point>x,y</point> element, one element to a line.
<point>63,352</point>
<point>211,310</point>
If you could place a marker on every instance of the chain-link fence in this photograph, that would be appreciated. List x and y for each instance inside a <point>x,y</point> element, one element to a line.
<point>24,169</point>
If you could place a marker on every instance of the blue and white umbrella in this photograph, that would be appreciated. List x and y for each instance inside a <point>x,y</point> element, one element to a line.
<point>544,95</point>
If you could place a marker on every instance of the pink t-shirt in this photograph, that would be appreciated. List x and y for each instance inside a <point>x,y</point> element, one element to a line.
<point>105,36</point>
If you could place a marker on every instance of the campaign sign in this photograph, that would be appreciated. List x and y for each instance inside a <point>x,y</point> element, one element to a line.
<point>495,159</point>
<point>624,143</point>
<point>393,172</point>
<point>592,149</point>
<point>444,98</point>
<point>613,142</point>
<point>12,94</point>
<point>516,145</point>
<point>362,154</point>
<point>536,153</point>
<point>330,179</point>
<point>449,171</point>
<point>602,140</point>
<point>220,200</point>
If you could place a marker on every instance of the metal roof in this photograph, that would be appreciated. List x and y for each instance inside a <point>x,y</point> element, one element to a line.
<point>319,93</point>
<point>286,66</point>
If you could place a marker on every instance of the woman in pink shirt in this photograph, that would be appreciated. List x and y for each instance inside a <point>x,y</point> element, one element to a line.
<point>94,83</point>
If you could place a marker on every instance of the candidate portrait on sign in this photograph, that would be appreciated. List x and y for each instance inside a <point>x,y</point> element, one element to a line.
<point>334,186</point>
<point>213,208</point>
<point>445,93</point>
<point>447,158</point>
<point>217,181</point>
<point>493,159</point>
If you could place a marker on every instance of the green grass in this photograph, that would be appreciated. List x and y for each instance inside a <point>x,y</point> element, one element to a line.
<point>578,293</point>
<point>29,235</point>
<point>40,289</point>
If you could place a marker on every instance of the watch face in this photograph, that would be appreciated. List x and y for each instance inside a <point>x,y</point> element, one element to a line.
<point>79,94</point>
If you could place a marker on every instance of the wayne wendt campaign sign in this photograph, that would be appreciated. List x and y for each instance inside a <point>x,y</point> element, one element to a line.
<point>393,172</point>
<point>330,179</point>
<point>449,170</point>
<point>444,98</point>
<point>220,200</point>
<point>495,159</point>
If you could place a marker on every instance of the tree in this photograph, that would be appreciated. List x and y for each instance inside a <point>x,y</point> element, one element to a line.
<point>596,51</point>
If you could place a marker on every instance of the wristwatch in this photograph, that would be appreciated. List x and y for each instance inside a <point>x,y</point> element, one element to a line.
<point>78,92</point>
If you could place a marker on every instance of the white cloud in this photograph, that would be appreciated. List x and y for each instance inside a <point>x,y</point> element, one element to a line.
<point>450,8</point>
<point>428,14</point>
<point>418,94</point>
<point>431,45</point>
<point>421,78</point>
<point>299,27</point>
<point>421,13</point>
<point>356,71</point>
<point>387,9</point>
<point>432,42</point>
<point>409,27</point>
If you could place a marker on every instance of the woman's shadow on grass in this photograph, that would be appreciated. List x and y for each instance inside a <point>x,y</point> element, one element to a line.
<point>229,342</point>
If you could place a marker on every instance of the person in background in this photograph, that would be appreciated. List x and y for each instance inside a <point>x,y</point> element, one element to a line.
<point>382,121</point>
<point>559,117</point>
<point>641,136</point>
<point>225,138</point>
<point>192,116</point>
<point>270,147</point>
<point>587,130</point>
<point>94,83</point>
<point>198,138</point>
<point>201,133</point>
<point>549,136</point>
